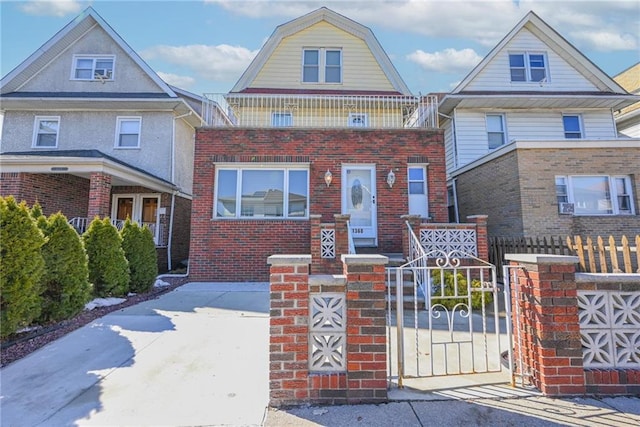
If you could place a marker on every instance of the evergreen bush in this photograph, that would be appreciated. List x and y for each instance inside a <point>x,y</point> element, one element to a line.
<point>108,267</point>
<point>66,278</point>
<point>450,281</point>
<point>140,251</point>
<point>21,266</point>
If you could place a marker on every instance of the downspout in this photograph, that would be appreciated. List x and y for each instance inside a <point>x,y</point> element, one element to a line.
<point>173,181</point>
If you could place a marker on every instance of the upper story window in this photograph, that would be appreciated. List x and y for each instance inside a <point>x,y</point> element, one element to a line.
<point>93,67</point>
<point>128,132</point>
<point>418,200</point>
<point>358,120</point>
<point>269,192</point>
<point>496,130</point>
<point>45,133</point>
<point>572,126</point>
<point>321,65</point>
<point>281,119</point>
<point>528,67</point>
<point>594,195</point>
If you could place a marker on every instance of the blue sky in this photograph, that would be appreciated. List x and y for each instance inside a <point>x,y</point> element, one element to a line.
<point>204,46</point>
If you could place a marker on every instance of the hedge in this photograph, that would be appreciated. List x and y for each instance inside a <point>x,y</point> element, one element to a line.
<point>140,250</point>
<point>108,266</point>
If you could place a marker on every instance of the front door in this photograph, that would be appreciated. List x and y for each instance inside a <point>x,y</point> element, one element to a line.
<point>359,201</point>
<point>140,208</point>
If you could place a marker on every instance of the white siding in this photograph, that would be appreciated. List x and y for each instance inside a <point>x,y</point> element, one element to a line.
<point>56,77</point>
<point>561,75</point>
<point>539,125</point>
<point>360,70</point>
<point>449,148</point>
<point>632,131</point>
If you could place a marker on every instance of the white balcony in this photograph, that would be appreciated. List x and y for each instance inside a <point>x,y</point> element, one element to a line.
<point>320,111</point>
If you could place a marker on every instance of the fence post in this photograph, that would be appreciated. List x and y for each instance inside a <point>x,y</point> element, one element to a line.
<point>548,327</point>
<point>482,238</point>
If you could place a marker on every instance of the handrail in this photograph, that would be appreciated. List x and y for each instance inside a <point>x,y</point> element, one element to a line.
<point>352,246</point>
<point>417,258</point>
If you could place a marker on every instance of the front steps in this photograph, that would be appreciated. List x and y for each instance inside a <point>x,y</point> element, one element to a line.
<point>396,260</point>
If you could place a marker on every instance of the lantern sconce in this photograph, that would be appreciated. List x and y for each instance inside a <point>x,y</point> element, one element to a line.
<point>391,178</point>
<point>328,177</point>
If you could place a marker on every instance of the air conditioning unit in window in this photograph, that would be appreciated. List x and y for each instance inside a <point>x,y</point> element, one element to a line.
<point>566,208</point>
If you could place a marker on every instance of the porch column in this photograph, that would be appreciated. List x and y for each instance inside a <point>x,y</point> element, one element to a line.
<point>99,195</point>
<point>482,238</point>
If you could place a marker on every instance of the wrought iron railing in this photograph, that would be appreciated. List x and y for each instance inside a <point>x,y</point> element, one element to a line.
<point>81,224</point>
<point>321,111</point>
<point>352,246</point>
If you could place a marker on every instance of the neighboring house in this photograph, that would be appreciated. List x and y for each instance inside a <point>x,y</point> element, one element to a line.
<point>320,127</point>
<point>90,129</point>
<point>531,141</point>
<point>628,118</point>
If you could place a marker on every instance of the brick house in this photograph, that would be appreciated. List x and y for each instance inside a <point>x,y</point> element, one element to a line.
<point>323,130</point>
<point>89,129</point>
<point>531,141</point>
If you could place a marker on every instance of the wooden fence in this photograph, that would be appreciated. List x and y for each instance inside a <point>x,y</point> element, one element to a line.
<point>595,257</point>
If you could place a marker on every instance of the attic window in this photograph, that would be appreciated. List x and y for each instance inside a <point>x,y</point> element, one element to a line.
<point>321,65</point>
<point>528,67</point>
<point>93,68</point>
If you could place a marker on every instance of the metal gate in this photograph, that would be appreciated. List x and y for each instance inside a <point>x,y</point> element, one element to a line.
<point>443,317</point>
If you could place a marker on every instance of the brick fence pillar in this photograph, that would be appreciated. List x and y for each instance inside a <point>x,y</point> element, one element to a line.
<point>366,328</point>
<point>342,234</point>
<point>315,243</point>
<point>414,221</point>
<point>99,195</point>
<point>482,238</point>
<point>546,323</point>
<point>288,329</point>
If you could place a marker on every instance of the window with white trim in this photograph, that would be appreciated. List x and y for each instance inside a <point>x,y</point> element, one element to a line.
<point>45,132</point>
<point>496,134</point>
<point>252,192</point>
<point>321,65</point>
<point>418,200</point>
<point>280,119</point>
<point>595,194</point>
<point>128,132</point>
<point>528,67</point>
<point>358,120</point>
<point>93,67</point>
<point>572,126</point>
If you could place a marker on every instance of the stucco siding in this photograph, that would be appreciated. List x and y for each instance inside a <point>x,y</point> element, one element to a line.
<point>360,70</point>
<point>97,131</point>
<point>56,77</point>
<point>185,141</point>
<point>561,75</point>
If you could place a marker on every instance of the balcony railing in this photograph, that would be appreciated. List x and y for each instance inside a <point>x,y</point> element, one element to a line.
<point>320,111</point>
<point>81,224</point>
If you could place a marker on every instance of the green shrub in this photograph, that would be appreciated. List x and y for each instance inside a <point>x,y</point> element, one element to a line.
<point>108,267</point>
<point>21,266</point>
<point>140,251</point>
<point>66,278</point>
<point>450,281</point>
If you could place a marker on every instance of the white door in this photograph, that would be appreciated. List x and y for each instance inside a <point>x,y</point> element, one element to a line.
<point>359,201</point>
<point>417,179</point>
<point>140,208</point>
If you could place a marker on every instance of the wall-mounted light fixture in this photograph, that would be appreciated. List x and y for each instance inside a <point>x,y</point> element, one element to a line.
<point>328,177</point>
<point>391,178</point>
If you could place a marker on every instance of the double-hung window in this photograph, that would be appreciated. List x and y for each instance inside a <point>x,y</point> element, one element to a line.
<point>528,67</point>
<point>572,126</point>
<point>258,193</point>
<point>358,120</point>
<point>496,134</point>
<point>128,132</point>
<point>279,119</point>
<point>418,200</point>
<point>595,194</point>
<point>96,67</point>
<point>45,133</point>
<point>321,65</point>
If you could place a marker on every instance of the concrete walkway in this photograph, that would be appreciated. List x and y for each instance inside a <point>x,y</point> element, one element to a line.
<point>195,356</point>
<point>198,356</point>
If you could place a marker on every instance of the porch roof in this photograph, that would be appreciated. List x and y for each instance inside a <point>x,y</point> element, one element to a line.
<point>82,163</point>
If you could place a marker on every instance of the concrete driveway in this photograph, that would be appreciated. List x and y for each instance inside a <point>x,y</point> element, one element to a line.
<point>195,356</point>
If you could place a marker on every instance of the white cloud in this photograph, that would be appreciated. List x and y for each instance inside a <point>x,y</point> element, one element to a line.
<point>221,62</point>
<point>183,82</point>
<point>58,8</point>
<point>486,22</point>
<point>447,60</point>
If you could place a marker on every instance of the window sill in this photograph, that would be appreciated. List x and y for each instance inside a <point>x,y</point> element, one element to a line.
<point>126,148</point>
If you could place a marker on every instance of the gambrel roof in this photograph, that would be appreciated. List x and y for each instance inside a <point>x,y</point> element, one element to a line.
<point>343,23</point>
<point>64,40</point>
<point>604,92</point>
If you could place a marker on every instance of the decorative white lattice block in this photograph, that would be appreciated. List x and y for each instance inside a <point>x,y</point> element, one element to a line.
<point>327,336</point>
<point>328,243</point>
<point>449,240</point>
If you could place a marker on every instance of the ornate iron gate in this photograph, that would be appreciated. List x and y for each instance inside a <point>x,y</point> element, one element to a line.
<point>443,317</point>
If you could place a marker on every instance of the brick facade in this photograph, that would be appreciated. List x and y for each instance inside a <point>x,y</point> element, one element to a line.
<point>517,191</point>
<point>236,249</point>
<point>99,195</point>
